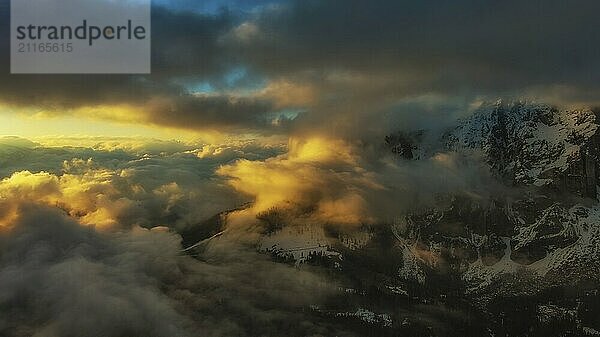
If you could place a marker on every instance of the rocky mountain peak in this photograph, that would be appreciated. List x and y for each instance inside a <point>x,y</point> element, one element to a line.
<point>536,144</point>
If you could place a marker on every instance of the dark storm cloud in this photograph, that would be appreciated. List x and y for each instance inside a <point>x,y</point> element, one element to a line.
<point>198,112</point>
<point>494,44</point>
<point>209,6</point>
<point>371,61</point>
<point>359,56</point>
<point>185,45</point>
<point>169,56</point>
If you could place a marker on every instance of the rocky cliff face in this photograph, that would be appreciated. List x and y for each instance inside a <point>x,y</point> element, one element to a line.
<point>525,144</point>
<point>551,154</point>
<point>544,238</point>
<point>533,144</point>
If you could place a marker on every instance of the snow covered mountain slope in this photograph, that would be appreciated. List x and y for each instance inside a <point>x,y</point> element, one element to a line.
<point>534,144</point>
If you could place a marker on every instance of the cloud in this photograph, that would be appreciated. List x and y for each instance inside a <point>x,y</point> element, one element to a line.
<point>126,182</point>
<point>137,283</point>
<point>376,56</point>
<point>461,37</point>
<point>332,60</point>
<point>314,175</point>
<point>71,242</point>
<point>209,111</point>
<point>185,45</point>
<point>325,181</point>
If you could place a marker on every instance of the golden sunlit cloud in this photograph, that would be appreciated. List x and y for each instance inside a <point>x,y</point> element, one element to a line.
<point>318,175</point>
<point>82,196</point>
<point>287,94</point>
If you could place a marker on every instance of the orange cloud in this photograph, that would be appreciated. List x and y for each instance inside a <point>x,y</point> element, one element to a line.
<point>287,94</point>
<point>82,196</point>
<point>317,175</point>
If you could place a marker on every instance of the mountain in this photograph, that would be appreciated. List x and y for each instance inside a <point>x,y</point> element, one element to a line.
<point>540,238</point>
<point>535,144</point>
<point>524,261</point>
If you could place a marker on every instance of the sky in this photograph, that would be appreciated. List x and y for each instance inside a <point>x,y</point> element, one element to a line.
<point>236,67</point>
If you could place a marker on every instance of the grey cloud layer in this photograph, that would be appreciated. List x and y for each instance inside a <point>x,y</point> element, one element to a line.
<point>185,45</point>
<point>525,42</point>
<point>60,279</point>
<point>363,56</point>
